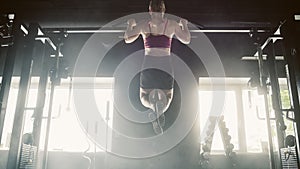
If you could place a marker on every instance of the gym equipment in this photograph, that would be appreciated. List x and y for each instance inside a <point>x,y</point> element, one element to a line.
<point>268,86</point>
<point>206,146</point>
<point>28,157</point>
<point>17,148</point>
<point>289,153</point>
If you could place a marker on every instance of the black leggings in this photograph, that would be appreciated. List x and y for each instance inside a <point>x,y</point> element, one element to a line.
<point>157,73</point>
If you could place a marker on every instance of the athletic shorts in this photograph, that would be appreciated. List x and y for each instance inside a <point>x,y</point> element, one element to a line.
<point>157,73</point>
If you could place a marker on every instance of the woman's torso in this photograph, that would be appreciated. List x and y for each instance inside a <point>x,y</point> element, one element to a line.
<point>157,35</point>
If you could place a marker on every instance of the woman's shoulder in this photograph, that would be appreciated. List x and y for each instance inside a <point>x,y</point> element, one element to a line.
<point>172,22</point>
<point>144,22</point>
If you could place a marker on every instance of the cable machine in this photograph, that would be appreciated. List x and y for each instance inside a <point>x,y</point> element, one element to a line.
<point>286,153</point>
<point>286,156</point>
<point>18,38</point>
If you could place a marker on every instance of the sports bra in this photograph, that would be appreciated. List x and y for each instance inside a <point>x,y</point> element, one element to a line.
<point>157,41</point>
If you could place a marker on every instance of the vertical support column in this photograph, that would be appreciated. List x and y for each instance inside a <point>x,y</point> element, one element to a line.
<point>55,80</point>
<point>263,90</point>
<point>276,101</point>
<point>15,145</point>
<point>41,96</point>
<point>7,75</point>
<point>291,48</point>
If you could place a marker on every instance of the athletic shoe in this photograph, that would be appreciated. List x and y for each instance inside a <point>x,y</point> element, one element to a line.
<point>162,120</point>
<point>155,123</point>
<point>157,128</point>
<point>159,108</point>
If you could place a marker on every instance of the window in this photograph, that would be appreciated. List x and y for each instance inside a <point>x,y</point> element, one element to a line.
<point>256,129</point>
<point>230,118</point>
<point>244,115</point>
<point>9,116</point>
<point>66,133</point>
<point>243,108</point>
<point>286,104</point>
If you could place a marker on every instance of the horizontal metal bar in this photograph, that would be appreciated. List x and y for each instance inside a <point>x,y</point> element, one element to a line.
<point>287,110</point>
<point>263,118</point>
<point>29,108</point>
<point>45,39</point>
<point>272,38</point>
<point>276,36</point>
<point>226,31</point>
<point>24,29</point>
<point>5,45</point>
<point>73,31</point>
<point>264,57</point>
<point>42,37</point>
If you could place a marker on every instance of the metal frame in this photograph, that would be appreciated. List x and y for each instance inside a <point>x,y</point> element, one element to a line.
<point>41,97</point>
<point>264,91</point>
<point>293,74</point>
<point>123,29</point>
<point>7,75</point>
<point>41,36</point>
<point>15,144</point>
<point>289,34</point>
<point>276,100</point>
<point>18,122</point>
<point>55,80</point>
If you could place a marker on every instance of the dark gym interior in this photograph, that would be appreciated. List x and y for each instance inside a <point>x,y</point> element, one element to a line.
<point>69,99</point>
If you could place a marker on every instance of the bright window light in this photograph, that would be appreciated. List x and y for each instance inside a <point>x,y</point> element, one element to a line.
<point>66,133</point>
<point>256,132</point>
<point>230,118</point>
<point>253,107</point>
<point>9,117</point>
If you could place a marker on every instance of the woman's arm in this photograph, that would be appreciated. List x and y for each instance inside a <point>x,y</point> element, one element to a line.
<point>182,31</point>
<point>133,31</point>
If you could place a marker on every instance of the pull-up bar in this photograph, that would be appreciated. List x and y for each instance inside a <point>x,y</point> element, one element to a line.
<point>91,31</point>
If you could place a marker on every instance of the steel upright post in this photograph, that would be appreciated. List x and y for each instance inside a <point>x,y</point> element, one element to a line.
<point>16,138</point>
